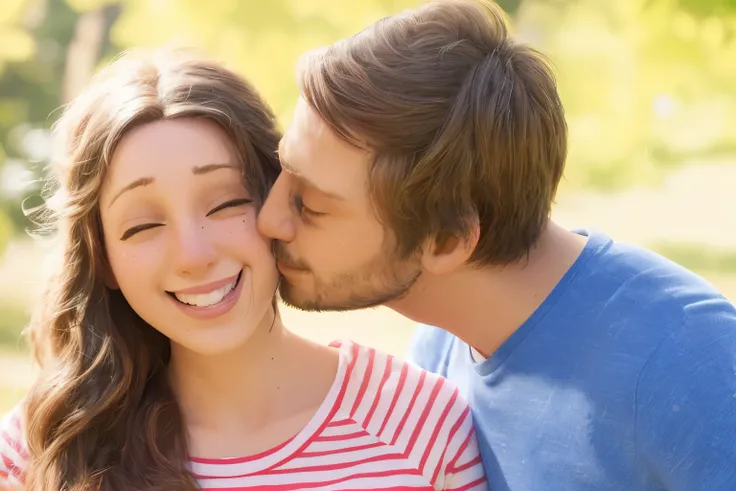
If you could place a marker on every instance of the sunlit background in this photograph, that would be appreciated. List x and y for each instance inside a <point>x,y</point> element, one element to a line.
<point>649,88</point>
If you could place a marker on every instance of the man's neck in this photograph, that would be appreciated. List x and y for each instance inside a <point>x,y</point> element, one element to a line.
<point>484,306</point>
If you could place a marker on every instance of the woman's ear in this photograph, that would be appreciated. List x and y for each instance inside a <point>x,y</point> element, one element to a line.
<point>106,273</point>
<point>108,277</point>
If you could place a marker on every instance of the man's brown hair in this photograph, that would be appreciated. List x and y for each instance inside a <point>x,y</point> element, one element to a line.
<point>465,125</point>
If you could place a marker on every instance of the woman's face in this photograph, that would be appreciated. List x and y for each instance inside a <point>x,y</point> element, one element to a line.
<point>181,238</point>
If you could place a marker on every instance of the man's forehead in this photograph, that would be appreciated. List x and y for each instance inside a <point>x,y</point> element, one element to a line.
<point>311,149</point>
<point>306,116</point>
<point>307,130</point>
<point>310,141</point>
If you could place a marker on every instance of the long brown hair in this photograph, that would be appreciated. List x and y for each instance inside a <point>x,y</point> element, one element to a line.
<point>102,415</point>
<point>466,126</point>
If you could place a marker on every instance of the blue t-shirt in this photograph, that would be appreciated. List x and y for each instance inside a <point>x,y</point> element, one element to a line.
<point>623,379</point>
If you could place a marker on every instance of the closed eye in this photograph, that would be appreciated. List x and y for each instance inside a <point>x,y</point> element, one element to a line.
<point>147,226</point>
<point>303,210</point>
<point>138,228</point>
<point>230,204</point>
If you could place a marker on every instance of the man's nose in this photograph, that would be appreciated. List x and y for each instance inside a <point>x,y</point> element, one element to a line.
<point>276,219</point>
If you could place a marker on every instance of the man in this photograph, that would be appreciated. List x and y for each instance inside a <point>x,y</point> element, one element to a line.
<point>419,172</point>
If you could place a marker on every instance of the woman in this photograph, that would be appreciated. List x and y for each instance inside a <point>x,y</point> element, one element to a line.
<point>164,361</point>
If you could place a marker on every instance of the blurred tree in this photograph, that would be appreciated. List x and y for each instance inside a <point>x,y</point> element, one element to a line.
<point>16,45</point>
<point>635,75</point>
<point>707,8</point>
<point>6,231</point>
<point>262,40</point>
<point>88,44</point>
<point>30,91</point>
<point>66,49</point>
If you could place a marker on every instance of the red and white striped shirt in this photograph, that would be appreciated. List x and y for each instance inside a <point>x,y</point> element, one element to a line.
<point>385,425</point>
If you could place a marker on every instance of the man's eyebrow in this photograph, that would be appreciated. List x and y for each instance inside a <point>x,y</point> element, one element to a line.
<point>294,172</point>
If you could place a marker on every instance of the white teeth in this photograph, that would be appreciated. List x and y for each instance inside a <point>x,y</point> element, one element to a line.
<point>206,299</point>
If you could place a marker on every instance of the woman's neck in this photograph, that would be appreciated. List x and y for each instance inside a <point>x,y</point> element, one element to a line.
<point>267,388</point>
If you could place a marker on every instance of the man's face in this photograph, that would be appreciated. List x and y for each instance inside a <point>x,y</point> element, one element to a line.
<point>331,249</point>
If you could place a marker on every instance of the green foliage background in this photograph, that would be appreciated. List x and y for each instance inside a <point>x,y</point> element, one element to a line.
<point>647,84</point>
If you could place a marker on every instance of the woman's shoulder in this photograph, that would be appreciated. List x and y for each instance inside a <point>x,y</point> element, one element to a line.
<point>366,363</point>
<point>380,386</point>
<point>419,413</point>
<point>13,449</point>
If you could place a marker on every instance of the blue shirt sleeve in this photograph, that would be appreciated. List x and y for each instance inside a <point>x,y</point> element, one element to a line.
<point>686,405</point>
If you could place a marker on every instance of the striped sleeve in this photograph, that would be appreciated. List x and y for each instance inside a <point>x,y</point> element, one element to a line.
<point>399,425</point>
<point>436,431</point>
<point>12,451</point>
<point>465,469</point>
<point>452,453</point>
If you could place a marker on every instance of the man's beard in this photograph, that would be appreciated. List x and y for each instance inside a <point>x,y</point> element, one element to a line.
<point>385,278</point>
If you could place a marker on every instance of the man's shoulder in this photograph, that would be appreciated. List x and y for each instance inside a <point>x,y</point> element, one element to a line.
<point>702,344</point>
<point>430,348</point>
<point>686,399</point>
<point>638,295</point>
<point>630,273</point>
<point>680,312</point>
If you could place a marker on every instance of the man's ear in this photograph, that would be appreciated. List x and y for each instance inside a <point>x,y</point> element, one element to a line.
<point>446,252</point>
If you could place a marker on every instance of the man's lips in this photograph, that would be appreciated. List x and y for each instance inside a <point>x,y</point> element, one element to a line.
<point>283,265</point>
